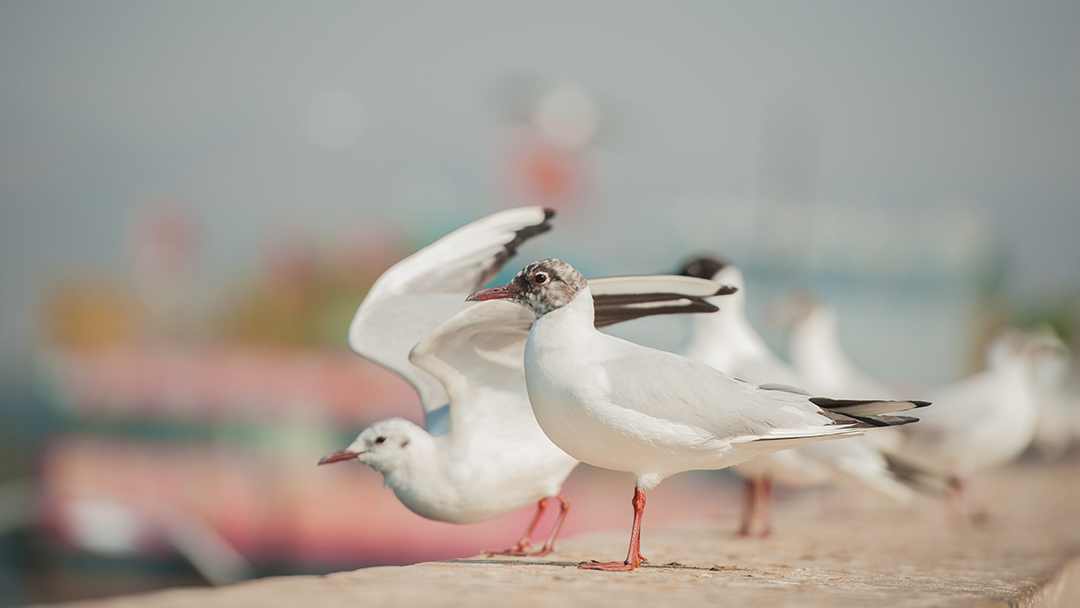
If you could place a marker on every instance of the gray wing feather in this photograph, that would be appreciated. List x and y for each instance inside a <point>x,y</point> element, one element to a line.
<point>706,398</point>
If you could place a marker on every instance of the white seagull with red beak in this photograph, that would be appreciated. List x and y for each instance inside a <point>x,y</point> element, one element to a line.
<point>621,406</point>
<point>481,454</point>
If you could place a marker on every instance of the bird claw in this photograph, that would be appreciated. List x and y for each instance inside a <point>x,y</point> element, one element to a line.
<point>608,566</point>
<point>518,550</point>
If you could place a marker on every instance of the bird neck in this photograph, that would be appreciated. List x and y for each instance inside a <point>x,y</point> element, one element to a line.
<point>815,347</point>
<point>567,325</point>
<point>578,312</point>
<point>423,483</point>
<point>726,331</point>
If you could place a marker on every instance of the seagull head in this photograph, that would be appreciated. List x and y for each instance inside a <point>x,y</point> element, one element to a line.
<point>381,445</point>
<point>1042,352</point>
<point>541,287</point>
<point>702,267</point>
<point>716,270</point>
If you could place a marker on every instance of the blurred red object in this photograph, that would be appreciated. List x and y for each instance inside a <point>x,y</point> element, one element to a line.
<point>214,382</point>
<point>230,436</point>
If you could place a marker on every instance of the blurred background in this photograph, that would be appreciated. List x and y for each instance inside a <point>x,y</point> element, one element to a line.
<point>195,197</point>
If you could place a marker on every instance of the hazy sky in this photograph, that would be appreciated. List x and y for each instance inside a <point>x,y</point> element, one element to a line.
<point>106,104</point>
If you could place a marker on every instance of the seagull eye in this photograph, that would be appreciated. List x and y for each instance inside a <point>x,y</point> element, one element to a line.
<point>379,440</point>
<point>540,278</point>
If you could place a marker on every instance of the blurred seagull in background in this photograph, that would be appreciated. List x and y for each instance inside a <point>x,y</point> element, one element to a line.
<point>1059,403</point>
<point>982,421</point>
<point>815,349</point>
<point>728,342</point>
<point>621,406</point>
<point>481,454</point>
<point>976,423</point>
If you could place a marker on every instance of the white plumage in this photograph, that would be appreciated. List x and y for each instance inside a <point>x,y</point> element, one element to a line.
<point>626,407</point>
<point>727,341</point>
<point>816,353</point>
<point>482,454</point>
<point>984,420</point>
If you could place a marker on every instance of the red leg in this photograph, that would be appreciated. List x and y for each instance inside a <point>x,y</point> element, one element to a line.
<point>766,507</point>
<point>749,497</point>
<point>549,546</point>
<point>954,501</point>
<point>976,510</point>
<point>633,555</point>
<point>525,543</point>
<point>965,507</point>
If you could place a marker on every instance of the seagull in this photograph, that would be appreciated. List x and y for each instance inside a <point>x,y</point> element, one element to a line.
<point>481,453</point>
<point>985,420</point>
<point>727,341</point>
<point>1059,403</point>
<point>626,407</point>
<point>815,349</point>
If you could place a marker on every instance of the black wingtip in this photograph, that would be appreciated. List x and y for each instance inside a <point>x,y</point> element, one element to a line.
<point>884,420</point>
<point>726,290</point>
<point>839,409</point>
<point>829,402</point>
<point>868,421</point>
<point>609,310</point>
<point>509,250</point>
<point>702,267</point>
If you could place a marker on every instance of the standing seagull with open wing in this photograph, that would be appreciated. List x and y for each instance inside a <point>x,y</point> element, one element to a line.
<point>482,454</point>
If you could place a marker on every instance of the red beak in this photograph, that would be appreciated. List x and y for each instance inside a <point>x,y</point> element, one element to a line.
<point>338,456</point>
<point>503,292</point>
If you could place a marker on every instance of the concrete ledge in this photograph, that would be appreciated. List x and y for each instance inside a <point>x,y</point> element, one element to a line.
<point>1061,591</point>
<point>824,553</point>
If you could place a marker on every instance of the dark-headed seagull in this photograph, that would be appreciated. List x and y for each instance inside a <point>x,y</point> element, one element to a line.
<point>621,406</point>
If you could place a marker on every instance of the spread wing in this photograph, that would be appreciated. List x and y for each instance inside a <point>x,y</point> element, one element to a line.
<point>478,356</point>
<point>425,289</point>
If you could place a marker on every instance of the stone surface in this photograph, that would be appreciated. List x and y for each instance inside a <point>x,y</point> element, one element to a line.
<point>826,551</point>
